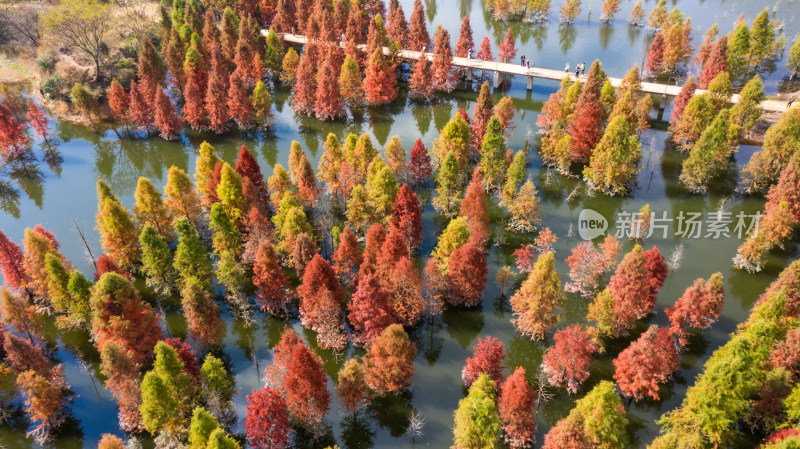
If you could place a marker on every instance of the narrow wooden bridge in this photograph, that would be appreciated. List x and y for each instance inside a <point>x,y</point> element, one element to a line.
<point>503,71</point>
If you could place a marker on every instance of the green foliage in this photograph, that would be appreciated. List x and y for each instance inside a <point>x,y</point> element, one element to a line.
<point>738,47</point>
<point>746,112</point>
<point>156,260</point>
<point>220,440</point>
<point>381,190</point>
<point>166,393</point>
<point>493,155</point>
<point>455,235</point>
<point>216,380</point>
<point>202,425</point>
<point>477,424</point>
<point>602,417</point>
<point>515,176</point>
<point>290,221</point>
<point>448,185</point>
<point>191,255</point>
<point>710,156</point>
<point>781,142</point>
<point>57,280</point>
<point>454,138</point>
<point>229,192</point>
<point>615,160</point>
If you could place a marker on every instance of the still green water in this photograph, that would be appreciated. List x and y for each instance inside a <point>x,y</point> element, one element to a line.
<point>66,192</point>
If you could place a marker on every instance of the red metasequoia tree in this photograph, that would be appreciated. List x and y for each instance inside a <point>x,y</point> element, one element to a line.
<point>587,264</point>
<point>305,88</point>
<point>38,120</point>
<point>217,94</point>
<point>275,373</point>
<point>786,353</point>
<point>186,354</point>
<point>466,275</point>
<point>716,63</point>
<point>405,287</point>
<point>419,167</point>
<point>12,264</point>
<point>487,358</point>
<point>306,388</point>
<point>656,271</point>
<point>646,363</point>
<point>698,307</point>
<point>318,276</point>
<point>407,217</point>
<point>442,78</point>
<point>655,55</point>
<point>392,250</point>
<point>389,362</point>
<point>586,122</point>
<point>475,208</point>
<point>194,91</point>
<point>248,168</point>
<point>397,28</point>
<point>267,422</point>
<point>380,84</point>
<point>141,109</point>
<point>465,43</point>
<point>240,105</point>
<point>106,265</point>
<point>329,104</point>
<point>566,363</point>
<point>515,404</point>
<point>23,355</point>
<point>118,101</point>
<point>268,276</point>
<point>166,119</point>
<point>485,53</point>
<point>420,83</point>
<point>121,316</point>
<point>481,114</point>
<point>376,234</point>
<point>631,290</point>
<point>507,51</point>
<point>686,94</point>
<point>418,37</point>
<point>370,311</point>
<point>346,257</point>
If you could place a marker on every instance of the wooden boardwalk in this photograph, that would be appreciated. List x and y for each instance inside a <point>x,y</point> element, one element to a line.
<point>503,71</point>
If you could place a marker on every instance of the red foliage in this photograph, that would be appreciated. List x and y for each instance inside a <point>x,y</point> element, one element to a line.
<point>22,355</point>
<point>465,42</point>
<point>780,435</point>
<point>442,78</point>
<point>346,257</point>
<point>106,265</point>
<point>466,275</point>
<point>787,353</point>
<point>11,264</point>
<point>419,168</point>
<point>406,292</point>
<point>216,96</point>
<point>487,357</point>
<point>630,287</point>
<point>485,53</point>
<point>716,63</point>
<point>318,276</point>
<point>655,55</point>
<point>698,307</point>
<point>282,355</point>
<point>187,356</point>
<point>525,257</point>
<point>13,140</point>
<point>646,363</point>
<point>656,271</point>
<point>194,92</point>
<point>329,104</point>
<point>380,84</point>
<point>376,234</point>
<point>141,108</point>
<point>389,362</point>
<point>585,123</point>
<point>566,434</point>
<point>397,27</point>
<point>515,405</point>
<point>284,20</point>
<point>306,388</point>
<point>305,88</point>
<point>38,120</point>
<point>475,209</point>
<point>407,217</point>
<point>240,106</point>
<point>370,311</point>
<point>393,249</point>
<point>166,119</point>
<point>420,83</point>
<point>686,94</point>
<point>587,264</point>
<point>786,190</point>
<point>118,101</point>
<point>506,52</point>
<point>418,37</point>
<point>247,167</point>
<point>267,423</point>
<point>567,362</point>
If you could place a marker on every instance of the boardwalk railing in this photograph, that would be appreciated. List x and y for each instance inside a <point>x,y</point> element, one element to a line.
<point>502,71</point>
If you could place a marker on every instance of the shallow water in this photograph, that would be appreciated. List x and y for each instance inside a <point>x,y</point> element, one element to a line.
<point>57,199</point>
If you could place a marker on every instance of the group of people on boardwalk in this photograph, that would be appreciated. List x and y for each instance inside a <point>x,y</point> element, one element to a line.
<point>580,69</point>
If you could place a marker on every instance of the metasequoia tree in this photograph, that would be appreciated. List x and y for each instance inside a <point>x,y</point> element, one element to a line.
<point>268,276</point>
<point>646,363</point>
<point>515,404</point>
<point>537,300</point>
<point>567,362</point>
<point>477,423</point>
<point>466,275</point>
<point>267,422</point>
<point>305,386</point>
<point>201,312</point>
<point>380,84</point>
<point>351,386</point>
<point>370,311</point>
<point>389,362</point>
<point>487,358</point>
<point>698,307</point>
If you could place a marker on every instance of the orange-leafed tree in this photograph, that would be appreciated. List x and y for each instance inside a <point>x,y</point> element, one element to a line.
<point>485,53</point>
<point>419,167</point>
<point>389,363</point>
<point>305,88</point>
<point>465,43</point>
<point>418,37</point>
<point>380,84</point>
<point>118,101</point>
<point>698,307</point>
<point>267,422</point>
<point>442,75</point>
<point>420,85</point>
<point>566,363</point>
<point>405,288</point>
<point>370,310</point>
<point>240,106</point>
<point>466,275</point>
<point>268,276</point>
<point>515,404</point>
<point>586,122</point>
<point>507,51</point>
<point>166,119</point>
<point>647,363</point>
<point>536,302</point>
<point>329,104</point>
<point>475,208</point>
<point>318,276</point>
<point>407,217</point>
<point>12,261</point>
<point>306,388</point>
<point>488,357</point>
<point>217,94</point>
<point>346,257</point>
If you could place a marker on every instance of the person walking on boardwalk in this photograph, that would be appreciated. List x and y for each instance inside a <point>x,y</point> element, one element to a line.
<point>522,60</point>
<point>577,70</point>
<point>583,68</point>
<point>789,103</point>
<point>566,68</point>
